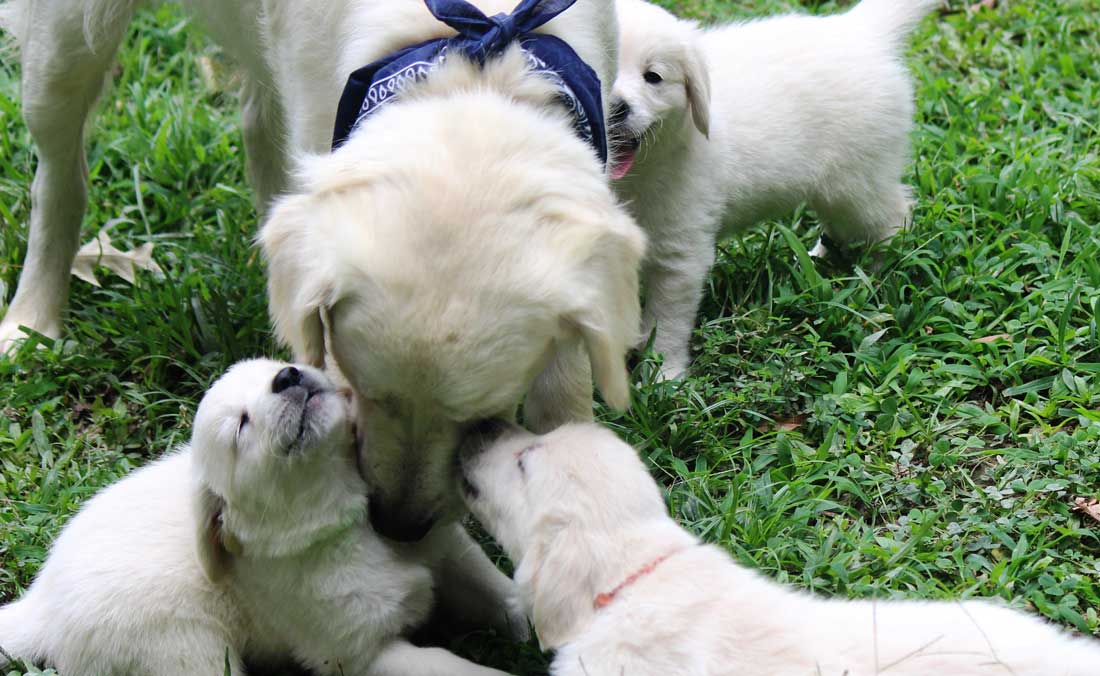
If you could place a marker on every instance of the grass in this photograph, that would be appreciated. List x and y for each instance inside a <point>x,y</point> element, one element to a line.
<point>914,422</point>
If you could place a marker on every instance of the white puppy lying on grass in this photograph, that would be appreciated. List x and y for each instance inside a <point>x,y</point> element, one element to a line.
<point>616,587</point>
<point>715,130</point>
<point>250,544</point>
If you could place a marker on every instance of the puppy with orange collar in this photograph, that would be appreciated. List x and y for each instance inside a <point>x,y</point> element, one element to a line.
<point>615,586</point>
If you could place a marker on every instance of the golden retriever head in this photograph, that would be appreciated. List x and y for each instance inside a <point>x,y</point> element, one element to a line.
<point>451,247</point>
<point>274,462</point>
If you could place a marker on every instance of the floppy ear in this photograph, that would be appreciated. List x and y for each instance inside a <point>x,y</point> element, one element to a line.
<point>213,545</point>
<point>697,81</point>
<point>556,579</point>
<point>296,287</point>
<point>609,320</point>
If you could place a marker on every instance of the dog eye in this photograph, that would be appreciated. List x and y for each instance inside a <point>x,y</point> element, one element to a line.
<point>652,78</point>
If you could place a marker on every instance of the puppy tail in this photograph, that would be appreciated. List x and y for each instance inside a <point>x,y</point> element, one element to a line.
<point>894,19</point>
<point>17,641</point>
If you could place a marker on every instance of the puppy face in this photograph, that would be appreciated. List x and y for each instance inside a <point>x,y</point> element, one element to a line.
<point>446,266</point>
<point>262,423</point>
<point>273,455</point>
<point>662,79</point>
<point>556,504</point>
<point>524,487</point>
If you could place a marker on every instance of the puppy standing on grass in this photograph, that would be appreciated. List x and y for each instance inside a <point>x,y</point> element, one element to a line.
<point>251,543</point>
<point>617,587</point>
<point>717,129</point>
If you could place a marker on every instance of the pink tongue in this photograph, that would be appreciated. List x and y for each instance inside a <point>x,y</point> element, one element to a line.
<point>622,163</point>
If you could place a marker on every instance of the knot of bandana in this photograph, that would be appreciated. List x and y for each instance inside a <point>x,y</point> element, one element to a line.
<point>480,38</point>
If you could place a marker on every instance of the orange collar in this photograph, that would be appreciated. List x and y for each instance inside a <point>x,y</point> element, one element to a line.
<point>605,598</point>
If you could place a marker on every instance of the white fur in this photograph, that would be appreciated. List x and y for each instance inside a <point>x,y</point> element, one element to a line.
<point>578,513</point>
<point>797,109</point>
<point>462,249</point>
<point>251,540</point>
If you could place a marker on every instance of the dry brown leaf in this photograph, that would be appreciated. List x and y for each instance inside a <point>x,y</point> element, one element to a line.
<point>984,4</point>
<point>100,252</point>
<point>1088,506</point>
<point>783,424</point>
<point>990,339</point>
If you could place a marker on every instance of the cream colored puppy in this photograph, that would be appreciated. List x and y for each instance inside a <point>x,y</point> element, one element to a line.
<point>615,586</point>
<point>717,129</point>
<point>249,544</point>
<point>461,250</point>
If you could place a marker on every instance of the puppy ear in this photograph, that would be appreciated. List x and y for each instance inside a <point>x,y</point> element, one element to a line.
<point>697,81</point>
<point>609,320</point>
<point>556,579</point>
<point>212,544</point>
<point>296,287</point>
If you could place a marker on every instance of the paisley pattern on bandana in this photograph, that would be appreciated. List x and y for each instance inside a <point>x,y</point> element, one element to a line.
<point>480,38</point>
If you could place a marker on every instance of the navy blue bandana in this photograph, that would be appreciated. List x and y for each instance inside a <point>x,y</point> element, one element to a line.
<point>480,38</point>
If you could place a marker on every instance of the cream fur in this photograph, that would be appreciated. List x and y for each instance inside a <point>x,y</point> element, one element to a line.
<point>578,513</point>
<point>750,120</point>
<point>250,540</point>
<point>456,266</point>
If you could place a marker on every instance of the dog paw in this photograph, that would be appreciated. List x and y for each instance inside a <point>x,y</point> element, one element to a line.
<point>12,333</point>
<point>514,622</point>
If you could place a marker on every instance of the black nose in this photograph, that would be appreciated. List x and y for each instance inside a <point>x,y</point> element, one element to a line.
<point>285,379</point>
<point>483,433</point>
<point>620,110</point>
<point>396,525</point>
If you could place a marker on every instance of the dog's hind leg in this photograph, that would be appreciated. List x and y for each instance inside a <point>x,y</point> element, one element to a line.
<point>264,141</point>
<point>67,48</point>
<point>863,212</point>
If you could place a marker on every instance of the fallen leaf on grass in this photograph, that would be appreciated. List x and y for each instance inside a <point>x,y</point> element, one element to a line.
<point>1088,506</point>
<point>990,339</point>
<point>984,4</point>
<point>783,424</point>
<point>100,251</point>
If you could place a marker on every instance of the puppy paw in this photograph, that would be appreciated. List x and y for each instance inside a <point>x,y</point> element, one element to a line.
<point>513,623</point>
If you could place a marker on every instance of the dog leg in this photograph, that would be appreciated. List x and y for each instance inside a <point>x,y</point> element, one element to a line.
<point>471,588</point>
<point>562,392</point>
<point>865,214</point>
<point>673,281</point>
<point>401,658</point>
<point>63,72</point>
<point>264,142</point>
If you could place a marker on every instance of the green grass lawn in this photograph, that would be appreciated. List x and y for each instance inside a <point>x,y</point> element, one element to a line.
<point>914,423</point>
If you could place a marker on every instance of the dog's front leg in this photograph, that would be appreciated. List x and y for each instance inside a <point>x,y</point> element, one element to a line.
<point>63,72</point>
<point>472,589</point>
<point>401,658</point>
<point>562,392</point>
<point>673,280</point>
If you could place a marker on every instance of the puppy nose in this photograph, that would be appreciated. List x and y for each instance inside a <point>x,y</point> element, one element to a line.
<point>620,110</point>
<point>484,433</point>
<point>285,379</point>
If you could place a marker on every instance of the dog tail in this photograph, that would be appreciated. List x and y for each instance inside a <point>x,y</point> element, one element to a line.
<point>17,635</point>
<point>894,19</point>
